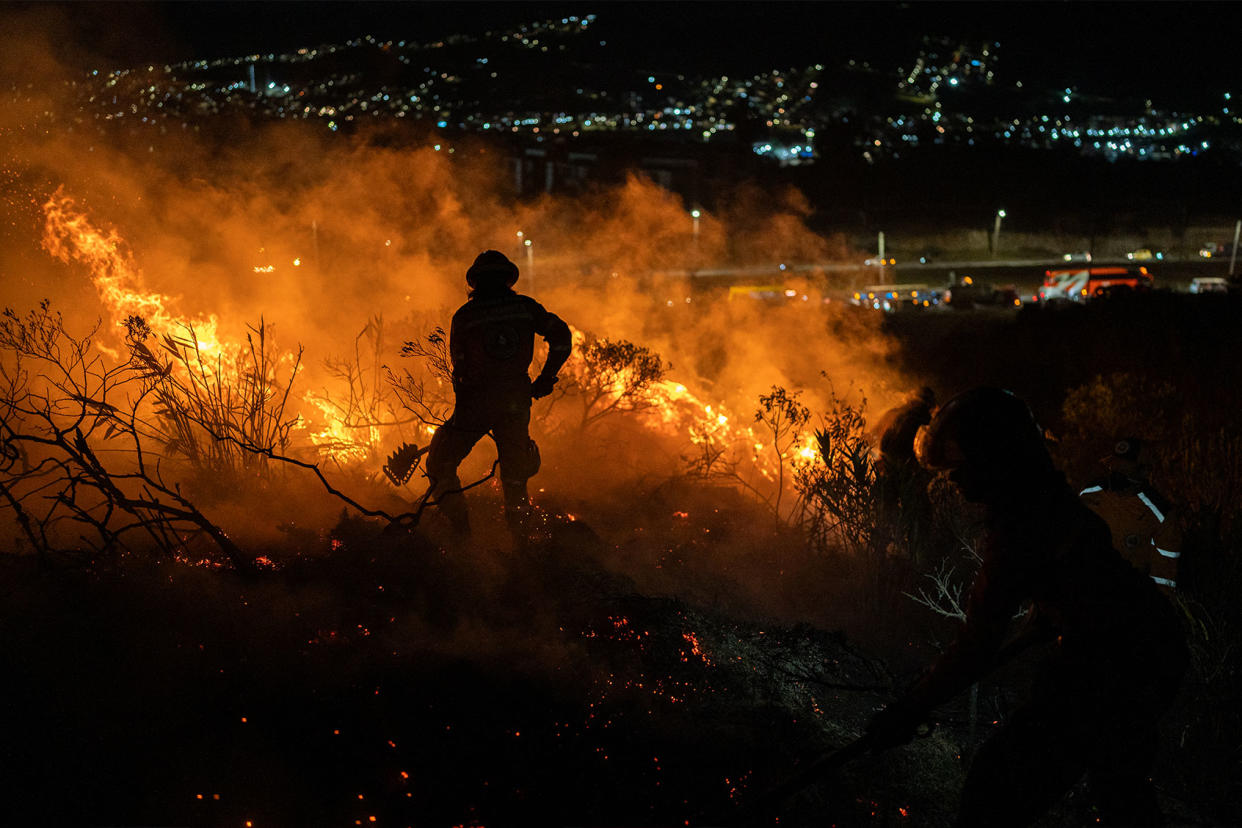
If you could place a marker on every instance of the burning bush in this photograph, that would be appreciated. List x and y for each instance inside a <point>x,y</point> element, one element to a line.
<point>85,444</point>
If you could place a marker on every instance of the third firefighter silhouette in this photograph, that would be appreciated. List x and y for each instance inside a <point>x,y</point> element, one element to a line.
<point>905,509</point>
<point>491,345</point>
<point>1119,653</point>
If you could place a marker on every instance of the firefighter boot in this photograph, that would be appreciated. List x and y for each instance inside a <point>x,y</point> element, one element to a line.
<point>453,505</point>
<point>517,504</point>
<point>447,497</point>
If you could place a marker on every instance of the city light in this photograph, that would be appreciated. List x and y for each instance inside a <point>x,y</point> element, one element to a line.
<point>327,87</point>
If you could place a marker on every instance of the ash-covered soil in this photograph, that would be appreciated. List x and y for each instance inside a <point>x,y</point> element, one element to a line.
<point>409,679</point>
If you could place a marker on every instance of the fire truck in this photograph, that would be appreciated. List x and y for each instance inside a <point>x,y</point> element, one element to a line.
<point>1082,283</point>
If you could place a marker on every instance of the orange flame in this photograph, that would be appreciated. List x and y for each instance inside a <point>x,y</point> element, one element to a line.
<point>69,235</point>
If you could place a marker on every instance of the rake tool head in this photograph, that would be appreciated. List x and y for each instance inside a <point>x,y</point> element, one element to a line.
<point>401,464</point>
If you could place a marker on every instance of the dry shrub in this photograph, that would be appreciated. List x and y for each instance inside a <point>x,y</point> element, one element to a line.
<point>1110,407</point>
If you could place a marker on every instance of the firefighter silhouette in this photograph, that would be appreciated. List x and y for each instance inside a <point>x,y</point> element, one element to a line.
<point>1136,513</point>
<point>1119,654</point>
<point>901,483</point>
<point>491,345</point>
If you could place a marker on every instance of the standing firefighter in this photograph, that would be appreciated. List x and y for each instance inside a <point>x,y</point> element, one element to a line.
<point>1119,655</point>
<point>491,344</point>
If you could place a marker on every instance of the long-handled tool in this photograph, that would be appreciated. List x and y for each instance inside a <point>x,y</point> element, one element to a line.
<point>825,765</point>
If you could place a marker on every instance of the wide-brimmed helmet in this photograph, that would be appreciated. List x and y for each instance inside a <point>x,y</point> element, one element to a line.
<point>985,428</point>
<point>492,264</point>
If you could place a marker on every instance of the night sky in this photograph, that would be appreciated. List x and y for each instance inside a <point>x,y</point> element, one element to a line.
<point>1161,50</point>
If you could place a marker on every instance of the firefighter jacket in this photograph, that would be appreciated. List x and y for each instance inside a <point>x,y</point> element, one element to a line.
<point>492,343</point>
<point>1137,516</point>
<point>1112,625</point>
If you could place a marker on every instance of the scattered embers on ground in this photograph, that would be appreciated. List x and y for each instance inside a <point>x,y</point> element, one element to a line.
<point>401,679</point>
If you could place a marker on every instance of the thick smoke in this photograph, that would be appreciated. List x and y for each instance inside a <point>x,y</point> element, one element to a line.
<point>318,234</point>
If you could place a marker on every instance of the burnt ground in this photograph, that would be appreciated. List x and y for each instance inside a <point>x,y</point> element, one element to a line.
<point>650,661</point>
<point>425,684</point>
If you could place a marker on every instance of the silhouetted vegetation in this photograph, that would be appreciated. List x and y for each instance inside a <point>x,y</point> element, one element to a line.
<point>650,651</point>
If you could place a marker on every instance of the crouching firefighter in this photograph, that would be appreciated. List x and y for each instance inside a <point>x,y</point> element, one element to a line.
<point>491,345</point>
<point>1136,513</point>
<point>1119,655</point>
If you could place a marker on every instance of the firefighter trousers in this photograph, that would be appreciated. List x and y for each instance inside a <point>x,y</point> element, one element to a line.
<point>506,416</point>
<point>1081,720</point>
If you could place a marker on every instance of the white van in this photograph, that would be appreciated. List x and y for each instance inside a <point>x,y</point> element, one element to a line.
<point>1209,284</point>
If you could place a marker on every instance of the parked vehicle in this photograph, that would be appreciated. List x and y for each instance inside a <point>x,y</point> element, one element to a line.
<point>893,298</point>
<point>1209,284</point>
<point>968,294</point>
<point>1216,250</point>
<point>1080,284</point>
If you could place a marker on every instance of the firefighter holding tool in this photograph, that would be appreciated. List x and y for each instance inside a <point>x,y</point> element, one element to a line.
<point>491,345</point>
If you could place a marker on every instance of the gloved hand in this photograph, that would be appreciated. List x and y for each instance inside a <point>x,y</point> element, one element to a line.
<point>541,387</point>
<point>895,725</point>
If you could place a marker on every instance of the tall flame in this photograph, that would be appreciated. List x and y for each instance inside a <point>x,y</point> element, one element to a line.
<point>69,235</point>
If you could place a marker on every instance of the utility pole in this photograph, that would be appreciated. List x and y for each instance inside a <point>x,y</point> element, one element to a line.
<point>315,238</point>
<point>530,266</point>
<point>883,268</point>
<point>1233,252</point>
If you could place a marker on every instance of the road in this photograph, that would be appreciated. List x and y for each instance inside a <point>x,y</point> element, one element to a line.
<point>1025,274</point>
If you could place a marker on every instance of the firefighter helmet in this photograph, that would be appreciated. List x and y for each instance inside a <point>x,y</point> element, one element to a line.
<point>1131,455</point>
<point>900,425</point>
<point>986,428</point>
<point>492,264</point>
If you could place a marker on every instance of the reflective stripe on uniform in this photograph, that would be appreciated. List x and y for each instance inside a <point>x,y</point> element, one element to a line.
<point>1166,553</point>
<point>1091,489</point>
<point>1164,581</point>
<point>1159,515</point>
